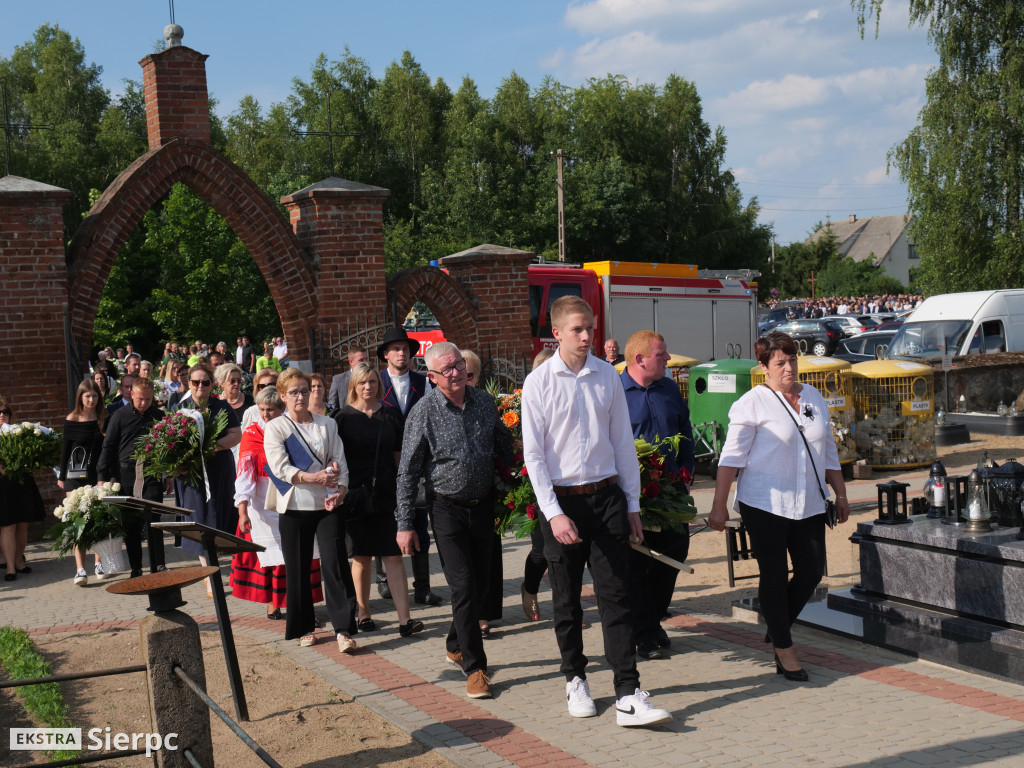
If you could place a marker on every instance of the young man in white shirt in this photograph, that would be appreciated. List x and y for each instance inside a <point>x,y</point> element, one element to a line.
<point>580,456</point>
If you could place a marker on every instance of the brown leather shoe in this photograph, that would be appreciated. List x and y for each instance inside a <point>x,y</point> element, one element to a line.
<point>455,658</point>
<point>530,607</point>
<point>478,686</point>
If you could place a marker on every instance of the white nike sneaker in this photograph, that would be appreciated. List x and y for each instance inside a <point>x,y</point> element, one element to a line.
<point>577,693</point>
<point>638,710</point>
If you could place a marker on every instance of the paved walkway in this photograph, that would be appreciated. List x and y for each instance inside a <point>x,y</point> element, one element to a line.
<point>863,707</point>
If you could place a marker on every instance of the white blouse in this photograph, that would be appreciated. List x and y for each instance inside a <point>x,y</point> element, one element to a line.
<point>775,472</point>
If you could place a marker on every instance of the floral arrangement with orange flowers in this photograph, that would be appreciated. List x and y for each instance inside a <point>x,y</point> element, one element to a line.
<point>517,508</point>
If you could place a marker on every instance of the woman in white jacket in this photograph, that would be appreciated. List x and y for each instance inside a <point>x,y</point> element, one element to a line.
<point>309,480</point>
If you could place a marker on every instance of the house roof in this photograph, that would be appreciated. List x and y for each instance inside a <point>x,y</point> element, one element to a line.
<point>860,238</point>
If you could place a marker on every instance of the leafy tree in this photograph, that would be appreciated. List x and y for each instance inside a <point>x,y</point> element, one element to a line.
<point>964,162</point>
<point>50,82</point>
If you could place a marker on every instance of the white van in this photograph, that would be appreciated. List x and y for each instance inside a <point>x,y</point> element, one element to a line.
<point>979,322</point>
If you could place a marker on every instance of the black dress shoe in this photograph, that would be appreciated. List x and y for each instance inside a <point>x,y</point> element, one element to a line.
<point>649,651</point>
<point>410,627</point>
<point>275,615</point>
<point>428,599</point>
<point>384,590</point>
<point>797,675</point>
<point>25,569</point>
<point>136,572</point>
<point>10,576</point>
<point>663,639</point>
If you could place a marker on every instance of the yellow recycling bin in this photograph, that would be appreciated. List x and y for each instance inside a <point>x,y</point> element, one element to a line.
<point>895,405</point>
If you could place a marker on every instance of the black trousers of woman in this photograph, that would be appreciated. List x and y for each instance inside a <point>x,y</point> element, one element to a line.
<point>298,529</point>
<point>772,537</point>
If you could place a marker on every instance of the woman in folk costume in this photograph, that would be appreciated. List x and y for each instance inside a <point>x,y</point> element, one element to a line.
<point>260,576</point>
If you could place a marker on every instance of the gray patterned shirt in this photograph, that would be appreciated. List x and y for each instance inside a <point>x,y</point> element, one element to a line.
<point>452,448</point>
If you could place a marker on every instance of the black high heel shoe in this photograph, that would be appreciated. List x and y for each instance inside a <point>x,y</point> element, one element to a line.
<point>797,675</point>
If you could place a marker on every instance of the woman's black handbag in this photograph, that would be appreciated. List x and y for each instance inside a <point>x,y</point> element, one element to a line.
<point>361,502</point>
<point>78,464</point>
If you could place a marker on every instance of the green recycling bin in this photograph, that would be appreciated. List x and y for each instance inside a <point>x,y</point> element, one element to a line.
<point>714,387</point>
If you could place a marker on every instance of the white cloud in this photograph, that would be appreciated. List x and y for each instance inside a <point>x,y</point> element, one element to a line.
<point>637,54</point>
<point>877,175</point>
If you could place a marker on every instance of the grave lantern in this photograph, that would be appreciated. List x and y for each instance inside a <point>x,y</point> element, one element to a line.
<point>956,500</point>
<point>935,491</point>
<point>978,514</point>
<point>889,512</point>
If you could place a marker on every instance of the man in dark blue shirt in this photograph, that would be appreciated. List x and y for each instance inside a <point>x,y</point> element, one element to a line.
<point>656,410</point>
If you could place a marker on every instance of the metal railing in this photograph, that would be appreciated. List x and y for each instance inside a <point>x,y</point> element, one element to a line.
<point>92,758</point>
<point>235,727</point>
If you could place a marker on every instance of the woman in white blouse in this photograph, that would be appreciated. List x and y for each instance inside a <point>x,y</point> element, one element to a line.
<point>309,500</point>
<point>780,490</point>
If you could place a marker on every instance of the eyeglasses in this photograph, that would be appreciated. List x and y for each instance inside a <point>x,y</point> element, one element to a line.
<point>200,382</point>
<point>297,393</point>
<point>451,369</point>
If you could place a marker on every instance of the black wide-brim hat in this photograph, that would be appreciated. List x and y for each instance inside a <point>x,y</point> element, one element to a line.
<point>397,334</point>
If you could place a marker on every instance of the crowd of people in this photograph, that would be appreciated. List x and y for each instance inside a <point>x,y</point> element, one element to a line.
<point>370,464</point>
<point>849,305</point>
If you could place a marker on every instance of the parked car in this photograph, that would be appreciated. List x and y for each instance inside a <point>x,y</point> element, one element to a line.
<point>819,337</point>
<point>853,324</point>
<point>871,345</point>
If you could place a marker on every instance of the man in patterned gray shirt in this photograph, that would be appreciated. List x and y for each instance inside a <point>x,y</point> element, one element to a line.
<point>451,437</point>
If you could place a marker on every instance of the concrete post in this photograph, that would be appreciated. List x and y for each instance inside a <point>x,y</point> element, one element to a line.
<point>172,638</point>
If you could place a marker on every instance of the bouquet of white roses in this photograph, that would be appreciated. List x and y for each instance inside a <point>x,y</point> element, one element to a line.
<point>27,447</point>
<point>84,518</point>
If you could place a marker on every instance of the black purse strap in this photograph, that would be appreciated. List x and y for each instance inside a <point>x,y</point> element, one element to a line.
<point>800,429</point>
<point>298,432</point>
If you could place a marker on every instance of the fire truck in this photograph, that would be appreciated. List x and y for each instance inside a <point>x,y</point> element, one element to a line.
<point>703,314</point>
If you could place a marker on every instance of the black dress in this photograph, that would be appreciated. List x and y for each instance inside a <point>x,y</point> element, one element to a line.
<point>219,510</point>
<point>247,402</point>
<point>373,535</point>
<point>85,435</point>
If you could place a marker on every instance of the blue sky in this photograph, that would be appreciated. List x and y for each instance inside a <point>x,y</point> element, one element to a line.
<point>809,109</point>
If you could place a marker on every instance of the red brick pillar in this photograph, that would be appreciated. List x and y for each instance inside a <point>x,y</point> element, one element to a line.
<point>33,298</point>
<point>341,224</point>
<point>497,277</point>
<point>177,103</point>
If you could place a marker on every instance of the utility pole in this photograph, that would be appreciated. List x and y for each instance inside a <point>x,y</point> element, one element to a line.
<point>773,254</point>
<point>561,208</point>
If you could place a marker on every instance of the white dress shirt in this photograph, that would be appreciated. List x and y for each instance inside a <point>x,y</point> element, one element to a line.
<point>776,474</point>
<point>576,430</point>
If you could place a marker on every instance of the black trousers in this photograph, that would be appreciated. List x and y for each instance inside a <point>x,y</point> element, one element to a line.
<point>464,538</point>
<point>536,564</point>
<point>771,537</point>
<point>652,583</point>
<point>152,490</point>
<point>298,529</point>
<point>603,526</point>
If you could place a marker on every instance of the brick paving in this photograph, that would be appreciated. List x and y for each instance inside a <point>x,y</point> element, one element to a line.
<point>864,707</point>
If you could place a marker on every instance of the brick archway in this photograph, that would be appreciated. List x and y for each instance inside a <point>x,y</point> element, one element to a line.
<point>231,193</point>
<point>451,305</point>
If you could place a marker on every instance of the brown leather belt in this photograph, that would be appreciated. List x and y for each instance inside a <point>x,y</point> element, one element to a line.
<point>457,502</point>
<point>585,489</point>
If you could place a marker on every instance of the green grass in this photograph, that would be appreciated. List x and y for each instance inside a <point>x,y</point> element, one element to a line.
<point>44,703</point>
